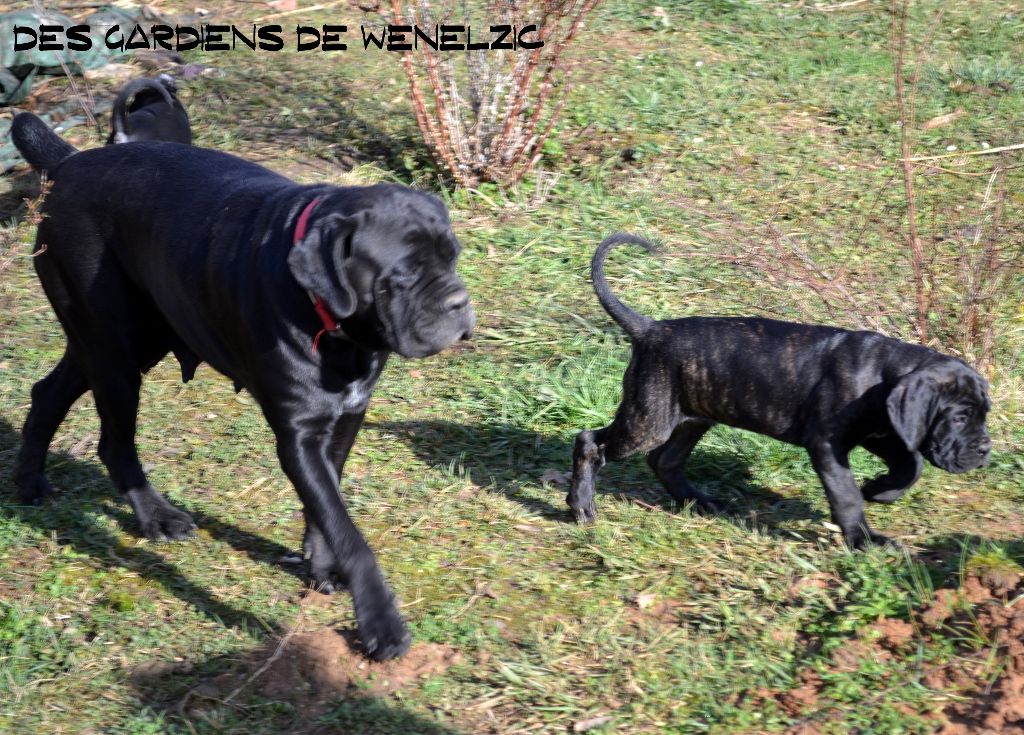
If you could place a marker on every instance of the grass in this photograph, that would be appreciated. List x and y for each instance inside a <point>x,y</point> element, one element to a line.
<point>657,618</point>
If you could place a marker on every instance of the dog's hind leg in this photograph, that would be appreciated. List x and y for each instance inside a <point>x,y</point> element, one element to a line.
<point>640,425</point>
<point>904,468</point>
<point>52,397</point>
<point>116,391</point>
<point>669,463</point>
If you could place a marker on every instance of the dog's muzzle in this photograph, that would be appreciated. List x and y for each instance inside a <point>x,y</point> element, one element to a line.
<point>457,304</point>
<point>427,324</point>
<point>969,455</point>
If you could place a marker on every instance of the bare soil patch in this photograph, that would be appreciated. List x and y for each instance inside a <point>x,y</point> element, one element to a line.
<point>984,683</point>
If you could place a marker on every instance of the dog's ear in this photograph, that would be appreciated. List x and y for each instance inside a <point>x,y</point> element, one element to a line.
<point>318,262</point>
<point>912,404</point>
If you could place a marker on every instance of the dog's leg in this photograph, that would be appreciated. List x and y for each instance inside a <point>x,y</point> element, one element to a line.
<point>587,459</point>
<point>904,469</point>
<point>310,464</point>
<point>669,463</point>
<point>52,397</point>
<point>639,426</point>
<point>320,562</point>
<point>117,402</point>
<point>844,498</point>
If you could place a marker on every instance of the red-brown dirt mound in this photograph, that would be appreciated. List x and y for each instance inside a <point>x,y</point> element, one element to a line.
<point>312,670</point>
<point>989,607</point>
<point>989,707</point>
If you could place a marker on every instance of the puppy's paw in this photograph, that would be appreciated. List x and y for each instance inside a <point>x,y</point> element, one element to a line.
<point>584,514</point>
<point>321,566</point>
<point>708,505</point>
<point>878,491</point>
<point>862,540</point>
<point>322,579</point>
<point>382,630</point>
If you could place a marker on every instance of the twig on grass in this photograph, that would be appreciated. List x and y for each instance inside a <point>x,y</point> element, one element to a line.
<point>837,6</point>
<point>982,152</point>
<point>269,662</point>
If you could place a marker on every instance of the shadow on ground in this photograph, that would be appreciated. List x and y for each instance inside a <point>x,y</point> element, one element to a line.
<point>327,118</point>
<point>315,688</point>
<point>507,459</point>
<point>86,493</point>
<point>20,185</point>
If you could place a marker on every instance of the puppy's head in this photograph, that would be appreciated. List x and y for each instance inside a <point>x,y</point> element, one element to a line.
<point>939,410</point>
<point>383,260</point>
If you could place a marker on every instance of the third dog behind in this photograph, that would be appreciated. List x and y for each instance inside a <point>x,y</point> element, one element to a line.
<point>148,109</point>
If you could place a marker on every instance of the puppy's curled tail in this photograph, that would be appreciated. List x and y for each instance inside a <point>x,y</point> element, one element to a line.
<point>119,115</point>
<point>634,323</point>
<point>39,145</point>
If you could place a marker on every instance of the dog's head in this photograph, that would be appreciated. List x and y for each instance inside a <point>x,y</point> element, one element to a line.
<point>382,258</point>
<point>939,410</point>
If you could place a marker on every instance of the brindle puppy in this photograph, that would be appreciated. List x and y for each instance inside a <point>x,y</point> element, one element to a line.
<point>822,388</point>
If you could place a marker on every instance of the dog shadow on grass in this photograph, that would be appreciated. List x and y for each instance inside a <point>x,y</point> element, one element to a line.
<point>22,185</point>
<point>514,462</point>
<point>190,689</point>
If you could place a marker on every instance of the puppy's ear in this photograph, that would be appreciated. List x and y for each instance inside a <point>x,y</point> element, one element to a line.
<point>912,405</point>
<point>318,262</point>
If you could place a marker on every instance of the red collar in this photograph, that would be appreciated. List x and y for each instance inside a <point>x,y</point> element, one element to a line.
<point>326,318</point>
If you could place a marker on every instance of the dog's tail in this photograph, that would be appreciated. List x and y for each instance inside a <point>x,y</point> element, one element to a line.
<point>119,115</point>
<point>39,145</point>
<point>634,323</point>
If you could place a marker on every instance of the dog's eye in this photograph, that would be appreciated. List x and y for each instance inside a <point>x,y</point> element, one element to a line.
<point>403,275</point>
<point>961,418</point>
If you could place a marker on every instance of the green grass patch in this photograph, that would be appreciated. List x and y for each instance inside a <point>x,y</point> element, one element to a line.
<point>656,620</point>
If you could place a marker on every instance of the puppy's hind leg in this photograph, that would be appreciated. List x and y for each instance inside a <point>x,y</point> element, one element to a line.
<point>904,467</point>
<point>669,463</point>
<point>634,430</point>
<point>587,459</point>
<point>52,397</point>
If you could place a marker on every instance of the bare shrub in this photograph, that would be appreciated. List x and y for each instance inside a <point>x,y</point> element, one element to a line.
<point>959,276</point>
<point>485,114</point>
<point>947,287</point>
<point>15,238</point>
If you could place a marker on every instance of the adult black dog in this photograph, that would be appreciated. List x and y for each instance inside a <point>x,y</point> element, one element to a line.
<point>150,248</point>
<point>825,389</point>
<point>149,109</point>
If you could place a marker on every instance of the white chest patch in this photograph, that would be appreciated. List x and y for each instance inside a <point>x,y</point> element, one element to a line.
<point>356,395</point>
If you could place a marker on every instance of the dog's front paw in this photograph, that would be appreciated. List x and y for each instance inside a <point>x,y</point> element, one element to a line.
<point>879,491</point>
<point>382,630</point>
<point>35,490</point>
<point>169,524</point>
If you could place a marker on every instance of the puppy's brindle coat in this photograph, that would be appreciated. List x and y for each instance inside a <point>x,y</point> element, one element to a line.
<point>150,248</point>
<point>823,388</point>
